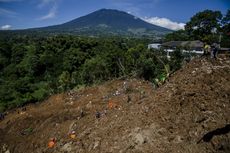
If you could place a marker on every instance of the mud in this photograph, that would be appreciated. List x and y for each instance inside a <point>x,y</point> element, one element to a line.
<point>133,116</point>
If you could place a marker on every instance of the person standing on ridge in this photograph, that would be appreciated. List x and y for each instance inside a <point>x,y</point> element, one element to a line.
<point>207,49</point>
<point>214,50</point>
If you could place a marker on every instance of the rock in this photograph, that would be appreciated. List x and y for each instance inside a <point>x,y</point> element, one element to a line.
<point>89,105</point>
<point>96,144</point>
<point>67,147</point>
<point>5,148</point>
<point>209,71</point>
<point>178,139</point>
<point>139,139</point>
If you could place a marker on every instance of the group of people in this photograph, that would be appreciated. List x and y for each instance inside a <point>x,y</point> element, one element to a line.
<point>211,50</point>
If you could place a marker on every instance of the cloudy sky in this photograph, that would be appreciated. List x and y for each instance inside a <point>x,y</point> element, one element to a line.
<point>21,14</point>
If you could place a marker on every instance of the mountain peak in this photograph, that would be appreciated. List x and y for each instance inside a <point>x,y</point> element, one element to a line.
<point>109,10</point>
<point>109,21</point>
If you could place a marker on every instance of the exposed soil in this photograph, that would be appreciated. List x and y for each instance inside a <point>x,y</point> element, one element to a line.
<point>190,113</point>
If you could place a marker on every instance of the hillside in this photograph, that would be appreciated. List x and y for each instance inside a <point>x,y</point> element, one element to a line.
<point>134,116</point>
<point>103,22</point>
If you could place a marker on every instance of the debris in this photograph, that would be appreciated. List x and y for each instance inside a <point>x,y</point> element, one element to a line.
<point>178,139</point>
<point>2,116</point>
<point>105,112</point>
<point>82,113</point>
<point>139,139</point>
<point>72,126</point>
<point>72,135</point>
<point>142,94</point>
<point>117,93</point>
<point>170,119</point>
<point>89,105</point>
<point>111,104</point>
<point>96,144</point>
<point>98,114</point>
<point>5,148</point>
<point>24,109</point>
<point>125,85</point>
<point>52,142</point>
<point>129,99</point>
<point>27,131</point>
<point>67,147</point>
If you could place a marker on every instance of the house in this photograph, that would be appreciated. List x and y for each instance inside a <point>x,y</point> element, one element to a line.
<point>224,51</point>
<point>186,46</point>
<point>195,47</point>
<point>154,46</point>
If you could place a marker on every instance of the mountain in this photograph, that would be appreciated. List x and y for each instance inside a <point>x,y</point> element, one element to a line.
<point>107,22</point>
<point>104,22</point>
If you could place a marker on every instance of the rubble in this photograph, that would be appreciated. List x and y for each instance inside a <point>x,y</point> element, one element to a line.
<point>130,115</point>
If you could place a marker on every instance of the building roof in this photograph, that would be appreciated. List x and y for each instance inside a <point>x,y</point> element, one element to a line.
<point>190,44</point>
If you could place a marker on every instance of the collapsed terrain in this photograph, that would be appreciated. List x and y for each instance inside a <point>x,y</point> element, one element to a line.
<point>189,113</point>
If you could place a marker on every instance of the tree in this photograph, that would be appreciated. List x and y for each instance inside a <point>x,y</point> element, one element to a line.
<point>226,19</point>
<point>64,81</point>
<point>94,70</point>
<point>176,60</point>
<point>225,41</point>
<point>204,24</point>
<point>177,36</point>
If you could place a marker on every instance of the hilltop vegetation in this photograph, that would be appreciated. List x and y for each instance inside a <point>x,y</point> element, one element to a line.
<point>34,68</point>
<point>208,26</point>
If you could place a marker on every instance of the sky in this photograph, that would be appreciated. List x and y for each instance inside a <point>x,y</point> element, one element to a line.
<point>172,14</point>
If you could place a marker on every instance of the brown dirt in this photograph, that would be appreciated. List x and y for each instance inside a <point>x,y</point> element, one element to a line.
<point>172,118</point>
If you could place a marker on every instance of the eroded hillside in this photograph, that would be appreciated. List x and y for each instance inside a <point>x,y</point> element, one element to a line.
<point>187,114</point>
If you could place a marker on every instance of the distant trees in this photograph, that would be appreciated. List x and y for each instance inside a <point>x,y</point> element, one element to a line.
<point>207,26</point>
<point>204,24</point>
<point>226,30</point>
<point>177,36</point>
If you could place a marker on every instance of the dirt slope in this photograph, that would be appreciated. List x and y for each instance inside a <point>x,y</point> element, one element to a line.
<point>134,117</point>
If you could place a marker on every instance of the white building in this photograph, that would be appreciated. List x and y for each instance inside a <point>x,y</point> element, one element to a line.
<point>154,46</point>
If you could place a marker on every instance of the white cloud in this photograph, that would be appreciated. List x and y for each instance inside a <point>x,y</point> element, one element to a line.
<point>164,22</point>
<point>53,4</point>
<point>51,14</point>
<point>6,27</point>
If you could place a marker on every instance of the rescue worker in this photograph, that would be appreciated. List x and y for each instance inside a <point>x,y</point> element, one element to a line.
<point>207,49</point>
<point>214,51</point>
